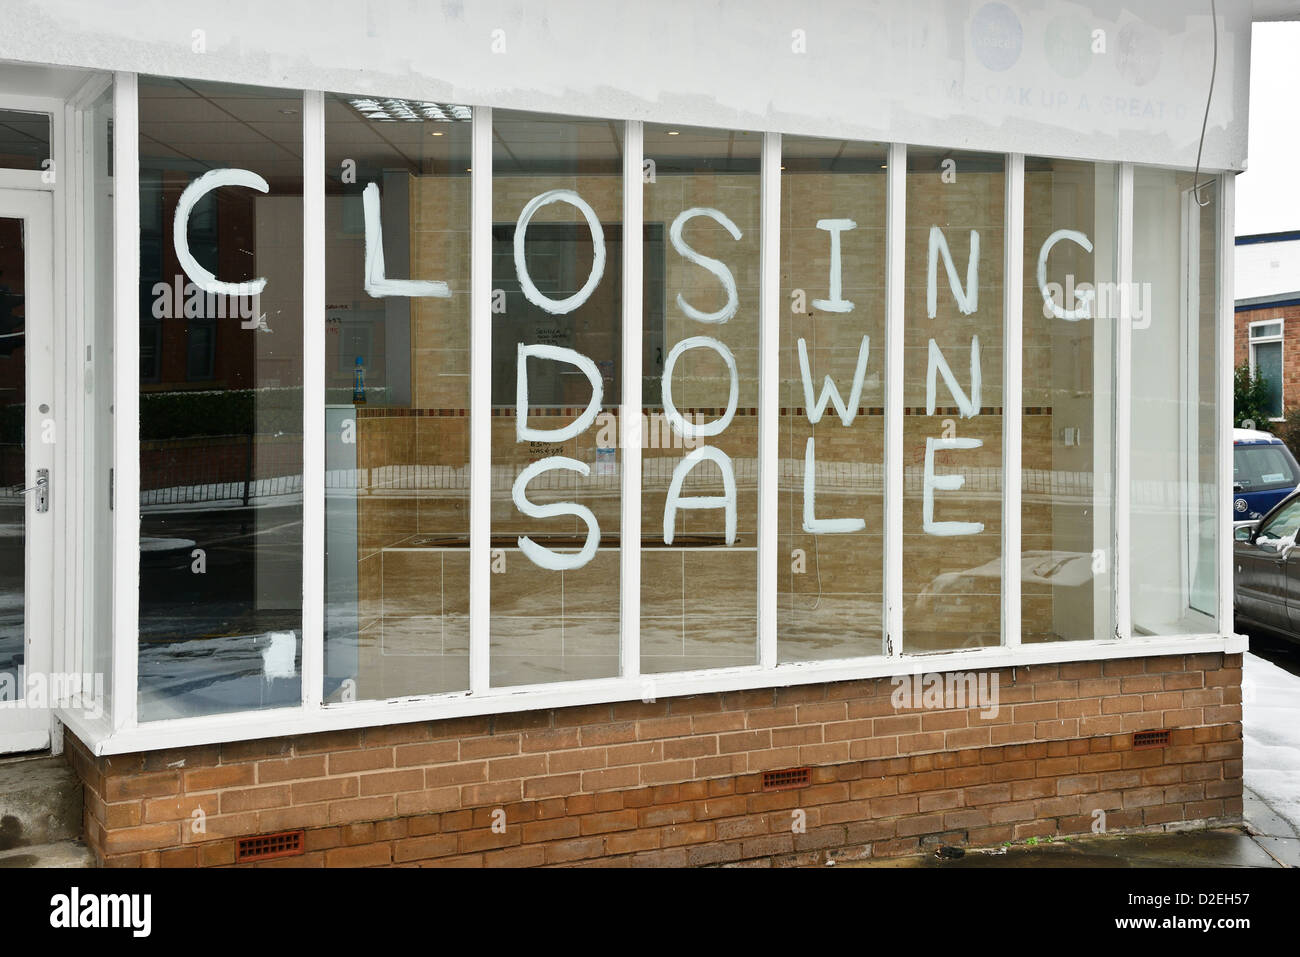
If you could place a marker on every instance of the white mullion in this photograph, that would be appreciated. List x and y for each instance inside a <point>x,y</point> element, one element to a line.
<point>126,399</point>
<point>1123,400</point>
<point>629,424</point>
<point>1223,394</point>
<point>313,398</point>
<point>1013,267</point>
<point>769,386</point>
<point>480,404</point>
<point>71,399</point>
<point>895,280</point>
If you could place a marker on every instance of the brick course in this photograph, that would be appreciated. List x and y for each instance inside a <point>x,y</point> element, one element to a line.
<point>678,782</point>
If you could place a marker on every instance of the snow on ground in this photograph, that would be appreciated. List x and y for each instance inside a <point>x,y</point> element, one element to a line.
<point>1271,732</point>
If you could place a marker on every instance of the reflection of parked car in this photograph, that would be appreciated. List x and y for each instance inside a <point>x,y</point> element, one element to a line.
<point>1263,473</point>
<point>1266,570</point>
<point>951,601</point>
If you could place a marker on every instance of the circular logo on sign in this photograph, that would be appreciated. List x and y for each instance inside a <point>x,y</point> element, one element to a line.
<point>1240,504</point>
<point>996,36</point>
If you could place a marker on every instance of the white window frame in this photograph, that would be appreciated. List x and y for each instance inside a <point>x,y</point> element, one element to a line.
<point>1279,338</point>
<point>124,733</point>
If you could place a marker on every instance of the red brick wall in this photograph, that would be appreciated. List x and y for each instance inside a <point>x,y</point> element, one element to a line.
<point>679,781</point>
<point>1290,346</point>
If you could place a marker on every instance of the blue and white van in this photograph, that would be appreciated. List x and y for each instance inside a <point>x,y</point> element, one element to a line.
<point>1263,473</point>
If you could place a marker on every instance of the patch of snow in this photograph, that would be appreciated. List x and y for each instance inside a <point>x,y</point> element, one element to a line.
<point>1271,735</point>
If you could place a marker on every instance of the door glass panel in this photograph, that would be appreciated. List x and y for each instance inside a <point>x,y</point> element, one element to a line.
<point>13,389</point>
<point>24,140</point>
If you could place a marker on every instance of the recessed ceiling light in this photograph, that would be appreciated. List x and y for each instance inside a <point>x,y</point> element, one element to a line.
<point>392,110</point>
<point>436,133</point>
<point>289,112</point>
<point>673,133</point>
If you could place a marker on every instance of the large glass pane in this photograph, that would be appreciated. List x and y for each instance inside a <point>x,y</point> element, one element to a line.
<point>557,197</point>
<point>397,396</point>
<point>830,538</point>
<point>699,473</point>
<point>1173,531</point>
<point>24,140</point>
<point>221,455</point>
<point>952,397</point>
<point>13,459</point>
<point>1068,408</point>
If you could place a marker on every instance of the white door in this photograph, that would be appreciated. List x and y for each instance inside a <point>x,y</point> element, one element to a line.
<point>28,486</point>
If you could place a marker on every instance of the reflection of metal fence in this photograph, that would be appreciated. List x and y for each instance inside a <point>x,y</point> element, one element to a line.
<point>235,468</point>
<point>239,469</point>
<point>12,476</point>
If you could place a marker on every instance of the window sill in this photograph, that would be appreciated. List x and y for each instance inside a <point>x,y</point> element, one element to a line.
<point>250,725</point>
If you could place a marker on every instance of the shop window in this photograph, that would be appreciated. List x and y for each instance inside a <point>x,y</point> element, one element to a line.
<point>397,222</point>
<point>1066,407</point>
<point>830,538</point>
<point>221,467</point>
<point>953,402</point>
<point>699,468</point>
<point>557,194</point>
<point>1173,303</point>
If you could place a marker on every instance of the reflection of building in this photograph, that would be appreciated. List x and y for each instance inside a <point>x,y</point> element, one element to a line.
<point>1268,314</point>
<point>378,581</point>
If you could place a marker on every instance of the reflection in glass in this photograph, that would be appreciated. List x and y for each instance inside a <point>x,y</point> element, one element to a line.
<point>24,140</point>
<point>557,196</point>
<point>397,395</point>
<point>220,454</point>
<point>1068,374</point>
<point>830,577</point>
<point>698,593</point>
<point>952,397</point>
<point>1173,529</point>
<point>13,428</point>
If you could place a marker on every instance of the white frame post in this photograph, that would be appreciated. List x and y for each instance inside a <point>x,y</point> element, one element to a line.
<point>82,349</point>
<point>313,398</point>
<point>1226,186</point>
<point>480,404</point>
<point>895,287</point>
<point>769,393</point>
<point>1123,402</point>
<point>1013,297</point>
<point>126,400</point>
<point>629,424</point>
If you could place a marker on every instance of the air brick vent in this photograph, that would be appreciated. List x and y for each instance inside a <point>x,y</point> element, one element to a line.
<point>266,846</point>
<point>787,779</point>
<point>1149,739</point>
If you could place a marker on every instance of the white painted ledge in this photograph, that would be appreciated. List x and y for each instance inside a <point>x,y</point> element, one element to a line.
<point>98,736</point>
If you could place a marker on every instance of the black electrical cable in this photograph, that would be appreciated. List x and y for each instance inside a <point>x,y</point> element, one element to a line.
<point>1214,67</point>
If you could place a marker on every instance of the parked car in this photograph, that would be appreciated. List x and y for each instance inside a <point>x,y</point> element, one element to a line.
<point>1266,570</point>
<point>1263,473</point>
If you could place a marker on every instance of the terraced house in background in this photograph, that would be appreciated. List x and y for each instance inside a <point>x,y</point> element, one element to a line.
<point>669,434</point>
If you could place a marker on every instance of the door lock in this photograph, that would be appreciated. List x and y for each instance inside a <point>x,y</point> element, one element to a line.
<point>42,490</point>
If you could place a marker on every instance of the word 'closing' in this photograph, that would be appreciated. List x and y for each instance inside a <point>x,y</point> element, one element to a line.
<point>689,432</point>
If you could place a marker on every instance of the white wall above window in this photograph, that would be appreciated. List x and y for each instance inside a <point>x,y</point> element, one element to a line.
<point>1092,80</point>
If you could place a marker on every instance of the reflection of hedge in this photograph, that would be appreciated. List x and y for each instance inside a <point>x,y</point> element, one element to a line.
<point>11,424</point>
<point>178,415</point>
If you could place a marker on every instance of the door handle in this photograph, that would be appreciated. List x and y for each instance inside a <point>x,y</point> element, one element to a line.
<point>42,490</point>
